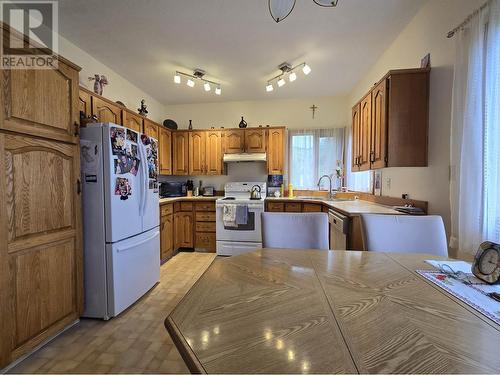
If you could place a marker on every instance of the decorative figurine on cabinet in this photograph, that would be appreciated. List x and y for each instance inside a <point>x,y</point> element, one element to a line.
<point>99,83</point>
<point>143,109</point>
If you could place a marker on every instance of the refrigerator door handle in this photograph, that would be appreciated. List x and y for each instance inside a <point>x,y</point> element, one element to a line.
<point>145,180</point>
<point>135,244</point>
<point>143,174</point>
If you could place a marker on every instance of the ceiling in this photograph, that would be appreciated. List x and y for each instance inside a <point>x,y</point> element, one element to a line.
<point>236,42</point>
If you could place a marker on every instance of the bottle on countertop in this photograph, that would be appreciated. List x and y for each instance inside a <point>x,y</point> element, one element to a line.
<point>282,190</point>
<point>290,190</point>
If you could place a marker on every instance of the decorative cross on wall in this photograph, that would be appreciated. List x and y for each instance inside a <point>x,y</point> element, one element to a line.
<point>313,109</point>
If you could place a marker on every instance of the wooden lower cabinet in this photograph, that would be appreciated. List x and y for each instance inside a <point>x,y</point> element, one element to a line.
<point>311,207</point>
<point>275,207</point>
<point>41,283</point>
<point>204,237</point>
<point>293,207</point>
<point>183,229</point>
<point>166,237</point>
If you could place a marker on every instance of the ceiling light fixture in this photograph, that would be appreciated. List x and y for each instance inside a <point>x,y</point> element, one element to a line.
<point>287,70</point>
<point>280,9</point>
<point>198,74</point>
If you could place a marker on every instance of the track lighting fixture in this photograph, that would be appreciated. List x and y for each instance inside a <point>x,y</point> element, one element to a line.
<point>287,70</point>
<point>197,75</point>
<point>280,9</point>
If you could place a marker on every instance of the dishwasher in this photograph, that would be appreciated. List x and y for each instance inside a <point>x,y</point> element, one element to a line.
<point>339,228</point>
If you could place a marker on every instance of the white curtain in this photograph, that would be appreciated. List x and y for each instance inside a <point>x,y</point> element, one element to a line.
<point>475,133</point>
<point>313,153</point>
<point>355,181</point>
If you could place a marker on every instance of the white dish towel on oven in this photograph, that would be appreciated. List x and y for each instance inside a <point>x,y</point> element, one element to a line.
<point>229,215</point>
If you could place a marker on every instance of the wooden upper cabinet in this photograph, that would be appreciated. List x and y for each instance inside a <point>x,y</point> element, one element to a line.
<point>180,153</point>
<point>197,150</point>
<point>40,216</point>
<point>255,140</point>
<point>355,136</point>
<point>390,125</point>
<point>132,121</point>
<point>378,151</point>
<point>365,133</point>
<point>165,151</point>
<point>275,151</point>
<point>84,102</point>
<point>234,141</point>
<point>42,103</point>
<point>151,129</point>
<point>213,156</point>
<point>407,117</point>
<point>106,111</point>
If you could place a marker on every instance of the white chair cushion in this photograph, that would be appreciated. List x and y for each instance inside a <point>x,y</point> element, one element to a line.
<point>404,234</point>
<point>295,230</point>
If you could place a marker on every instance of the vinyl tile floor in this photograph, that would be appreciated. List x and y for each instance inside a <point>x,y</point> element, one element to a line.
<point>134,342</point>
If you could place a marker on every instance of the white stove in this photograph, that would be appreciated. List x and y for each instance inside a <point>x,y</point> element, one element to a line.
<point>234,239</point>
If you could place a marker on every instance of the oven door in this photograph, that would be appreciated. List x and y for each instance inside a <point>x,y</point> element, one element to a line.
<point>251,232</point>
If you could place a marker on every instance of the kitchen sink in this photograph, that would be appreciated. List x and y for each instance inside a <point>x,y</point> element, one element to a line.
<point>324,199</point>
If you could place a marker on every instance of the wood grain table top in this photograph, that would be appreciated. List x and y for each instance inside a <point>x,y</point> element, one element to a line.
<point>309,311</point>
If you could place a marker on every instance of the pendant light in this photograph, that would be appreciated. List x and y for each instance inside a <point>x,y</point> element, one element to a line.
<point>280,9</point>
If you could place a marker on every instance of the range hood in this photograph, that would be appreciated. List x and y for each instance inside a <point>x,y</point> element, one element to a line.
<point>234,158</point>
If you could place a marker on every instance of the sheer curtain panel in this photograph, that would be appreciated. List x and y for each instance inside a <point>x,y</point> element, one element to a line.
<point>475,133</point>
<point>313,153</point>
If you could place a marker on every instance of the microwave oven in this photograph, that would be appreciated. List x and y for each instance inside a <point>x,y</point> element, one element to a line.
<point>173,189</point>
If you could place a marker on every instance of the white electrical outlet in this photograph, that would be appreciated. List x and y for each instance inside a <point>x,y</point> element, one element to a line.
<point>388,182</point>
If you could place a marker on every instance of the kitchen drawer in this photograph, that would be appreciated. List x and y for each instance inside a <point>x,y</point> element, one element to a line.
<point>311,207</point>
<point>204,206</point>
<point>205,216</point>
<point>293,207</point>
<point>186,206</point>
<point>275,207</point>
<point>205,226</point>
<point>205,241</point>
<point>166,209</point>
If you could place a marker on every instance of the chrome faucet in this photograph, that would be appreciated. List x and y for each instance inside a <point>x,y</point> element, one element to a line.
<point>330,195</point>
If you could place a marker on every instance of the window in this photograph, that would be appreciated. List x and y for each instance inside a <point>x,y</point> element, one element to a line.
<point>314,153</point>
<point>356,181</point>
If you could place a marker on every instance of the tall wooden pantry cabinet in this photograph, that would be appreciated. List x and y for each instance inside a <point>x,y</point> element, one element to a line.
<point>40,224</point>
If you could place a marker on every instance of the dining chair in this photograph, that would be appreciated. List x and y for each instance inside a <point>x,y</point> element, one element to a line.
<point>295,230</point>
<point>404,234</point>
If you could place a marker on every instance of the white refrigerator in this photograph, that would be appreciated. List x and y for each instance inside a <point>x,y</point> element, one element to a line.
<point>120,217</point>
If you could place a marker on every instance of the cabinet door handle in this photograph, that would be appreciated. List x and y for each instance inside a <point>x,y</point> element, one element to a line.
<point>78,187</point>
<point>372,156</point>
<point>77,129</point>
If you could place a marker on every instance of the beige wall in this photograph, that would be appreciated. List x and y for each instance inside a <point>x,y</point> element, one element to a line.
<point>425,33</point>
<point>294,113</point>
<point>119,87</point>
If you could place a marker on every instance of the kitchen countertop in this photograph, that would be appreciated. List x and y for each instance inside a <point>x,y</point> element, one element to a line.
<point>189,199</point>
<point>347,207</point>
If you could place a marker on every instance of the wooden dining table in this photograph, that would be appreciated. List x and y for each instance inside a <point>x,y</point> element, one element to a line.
<point>310,311</point>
